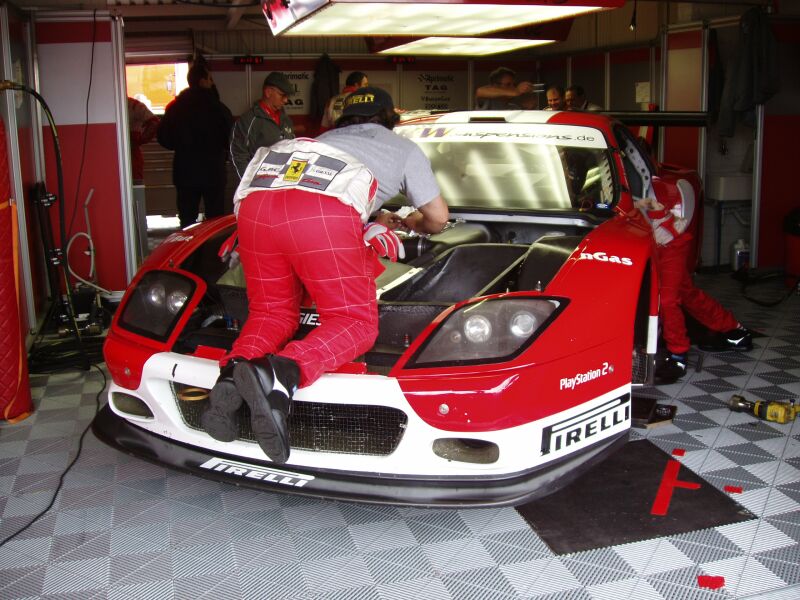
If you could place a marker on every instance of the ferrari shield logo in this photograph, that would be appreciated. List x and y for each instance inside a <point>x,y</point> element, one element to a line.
<point>295,170</point>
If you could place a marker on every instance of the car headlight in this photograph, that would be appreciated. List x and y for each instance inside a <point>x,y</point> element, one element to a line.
<point>156,304</point>
<point>522,324</point>
<point>487,331</point>
<point>156,294</point>
<point>478,329</point>
<point>176,300</point>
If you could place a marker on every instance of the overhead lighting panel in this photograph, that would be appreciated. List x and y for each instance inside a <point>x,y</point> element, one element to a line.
<point>418,18</point>
<point>461,46</point>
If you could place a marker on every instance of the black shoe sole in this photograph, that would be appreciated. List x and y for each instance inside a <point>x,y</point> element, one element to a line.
<point>726,348</point>
<point>269,425</point>
<point>219,419</point>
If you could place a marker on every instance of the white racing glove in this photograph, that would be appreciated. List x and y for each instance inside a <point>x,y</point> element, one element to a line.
<point>228,251</point>
<point>384,241</point>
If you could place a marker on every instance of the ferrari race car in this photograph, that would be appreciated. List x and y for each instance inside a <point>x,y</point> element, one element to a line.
<point>509,343</point>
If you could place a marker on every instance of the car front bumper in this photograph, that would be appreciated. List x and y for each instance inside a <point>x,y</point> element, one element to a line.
<point>442,491</point>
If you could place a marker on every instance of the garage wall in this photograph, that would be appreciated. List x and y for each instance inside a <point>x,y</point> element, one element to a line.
<point>77,78</point>
<point>18,113</point>
<point>779,165</point>
<point>683,88</point>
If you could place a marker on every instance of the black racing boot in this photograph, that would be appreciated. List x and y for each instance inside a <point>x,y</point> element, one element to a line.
<point>671,369</point>
<point>219,418</point>
<point>267,384</point>
<point>735,339</point>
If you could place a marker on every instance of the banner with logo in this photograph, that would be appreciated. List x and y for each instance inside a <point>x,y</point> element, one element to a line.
<point>434,90</point>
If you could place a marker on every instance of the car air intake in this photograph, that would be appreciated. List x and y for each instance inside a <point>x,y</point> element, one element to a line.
<point>467,450</point>
<point>320,427</point>
<point>131,405</point>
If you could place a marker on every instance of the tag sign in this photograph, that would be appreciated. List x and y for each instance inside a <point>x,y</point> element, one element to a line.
<point>248,60</point>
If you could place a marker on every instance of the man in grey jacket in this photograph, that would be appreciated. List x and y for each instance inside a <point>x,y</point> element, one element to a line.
<point>265,123</point>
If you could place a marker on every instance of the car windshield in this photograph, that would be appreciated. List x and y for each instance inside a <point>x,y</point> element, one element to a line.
<point>497,173</point>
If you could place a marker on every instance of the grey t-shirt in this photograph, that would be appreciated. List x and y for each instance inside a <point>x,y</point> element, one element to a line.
<point>396,162</point>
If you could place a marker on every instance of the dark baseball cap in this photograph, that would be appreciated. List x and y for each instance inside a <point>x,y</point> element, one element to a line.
<point>366,102</point>
<point>280,81</point>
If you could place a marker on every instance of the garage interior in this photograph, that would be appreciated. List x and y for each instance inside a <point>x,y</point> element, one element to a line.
<point>80,520</point>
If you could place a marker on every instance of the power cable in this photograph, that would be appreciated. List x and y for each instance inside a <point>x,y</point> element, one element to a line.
<point>64,261</point>
<point>4,541</point>
<point>86,126</point>
<point>747,279</point>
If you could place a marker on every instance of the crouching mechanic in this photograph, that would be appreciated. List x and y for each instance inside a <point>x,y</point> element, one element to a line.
<point>302,211</point>
<point>678,291</point>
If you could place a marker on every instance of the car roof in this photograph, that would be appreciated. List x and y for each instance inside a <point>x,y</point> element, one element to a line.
<point>591,119</point>
<point>525,126</point>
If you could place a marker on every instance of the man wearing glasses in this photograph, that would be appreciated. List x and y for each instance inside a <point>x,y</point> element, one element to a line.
<point>265,123</point>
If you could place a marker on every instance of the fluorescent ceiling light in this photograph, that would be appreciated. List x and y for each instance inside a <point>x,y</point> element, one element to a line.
<point>421,18</point>
<point>461,46</point>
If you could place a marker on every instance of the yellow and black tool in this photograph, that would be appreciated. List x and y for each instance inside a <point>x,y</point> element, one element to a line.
<point>778,412</point>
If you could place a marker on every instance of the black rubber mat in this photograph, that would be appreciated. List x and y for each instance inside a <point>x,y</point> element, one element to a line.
<point>614,503</point>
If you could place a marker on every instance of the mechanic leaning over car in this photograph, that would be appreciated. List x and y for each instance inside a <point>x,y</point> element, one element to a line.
<point>302,210</point>
<point>678,292</point>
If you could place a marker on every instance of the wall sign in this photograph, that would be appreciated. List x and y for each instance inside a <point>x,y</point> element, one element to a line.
<point>434,90</point>
<point>248,60</point>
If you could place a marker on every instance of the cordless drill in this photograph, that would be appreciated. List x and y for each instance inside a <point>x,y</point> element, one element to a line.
<point>778,412</point>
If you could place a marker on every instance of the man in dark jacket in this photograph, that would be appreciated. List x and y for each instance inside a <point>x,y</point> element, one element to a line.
<point>265,123</point>
<point>196,126</point>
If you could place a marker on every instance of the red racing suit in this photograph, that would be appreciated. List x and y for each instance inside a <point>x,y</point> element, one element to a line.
<point>677,289</point>
<point>301,209</point>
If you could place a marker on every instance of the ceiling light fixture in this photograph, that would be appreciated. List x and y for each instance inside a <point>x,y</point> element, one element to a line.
<point>461,46</point>
<point>507,41</point>
<point>418,17</point>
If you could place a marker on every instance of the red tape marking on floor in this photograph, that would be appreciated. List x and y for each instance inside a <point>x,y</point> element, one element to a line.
<point>669,481</point>
<point>712,582</point>
<point>733,489</point>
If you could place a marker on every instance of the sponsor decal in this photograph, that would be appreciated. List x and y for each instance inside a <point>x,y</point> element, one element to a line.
<point>177,237</point>
<point>570,383</point>
<point>310,319</point>
<point>603,257</point>
<point>295,170</point>
<point>432,78</point>
<point>580,429</point>
<point>298,169</point>
<point>433,132</point>
<point>360,99</point>
<point>249,471</point>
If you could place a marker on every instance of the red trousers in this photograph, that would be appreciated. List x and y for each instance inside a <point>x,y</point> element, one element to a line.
<point>678,291</point>
<point>290,240</point>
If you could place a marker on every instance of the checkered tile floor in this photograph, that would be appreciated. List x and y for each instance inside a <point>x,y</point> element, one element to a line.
<point>124,528</point>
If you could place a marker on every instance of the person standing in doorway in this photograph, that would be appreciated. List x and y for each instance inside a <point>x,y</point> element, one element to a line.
<point>265,123</point>
<point>143,126</point>
<point>196,126</point>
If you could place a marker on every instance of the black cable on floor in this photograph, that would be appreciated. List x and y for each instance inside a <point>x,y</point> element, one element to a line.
<point>66,470</point>
<point>60,355</point>
<point>747,280</point>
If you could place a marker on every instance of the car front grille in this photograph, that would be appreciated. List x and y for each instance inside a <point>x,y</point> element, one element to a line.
<point>340,428</point>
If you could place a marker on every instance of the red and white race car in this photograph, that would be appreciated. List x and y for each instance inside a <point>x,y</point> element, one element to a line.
<point>508,347</point>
